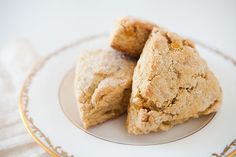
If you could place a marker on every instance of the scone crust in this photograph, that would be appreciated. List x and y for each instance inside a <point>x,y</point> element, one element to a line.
<point>102,85</point>
<point>130,35</point>
<point>171,84</point>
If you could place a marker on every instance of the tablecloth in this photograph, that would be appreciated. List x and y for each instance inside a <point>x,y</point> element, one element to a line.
<point>16,59</point>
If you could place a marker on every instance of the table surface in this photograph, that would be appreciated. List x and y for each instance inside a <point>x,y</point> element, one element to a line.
<point>51,24</point>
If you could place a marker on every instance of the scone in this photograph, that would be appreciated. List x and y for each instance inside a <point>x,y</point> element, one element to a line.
<point>102,85</point>
<point>130,35</point>
<point>171,84</point>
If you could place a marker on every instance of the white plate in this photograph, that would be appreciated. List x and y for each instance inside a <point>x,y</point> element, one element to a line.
<point>49,112</point>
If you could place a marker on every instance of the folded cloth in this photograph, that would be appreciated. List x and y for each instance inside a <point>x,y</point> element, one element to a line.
<point>16,59</point>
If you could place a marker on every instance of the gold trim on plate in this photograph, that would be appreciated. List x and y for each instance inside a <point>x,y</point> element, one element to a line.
<point>34,131</point>
<point>226,150</point>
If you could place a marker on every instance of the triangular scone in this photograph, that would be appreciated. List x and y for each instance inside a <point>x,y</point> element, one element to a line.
<point>130,35</point>
<point>171,83</point>
<point>103,85</point>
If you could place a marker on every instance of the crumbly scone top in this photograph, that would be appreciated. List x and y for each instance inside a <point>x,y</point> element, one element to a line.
<point>130,35</point>
<point>171,82</point>
<point>100,72</point>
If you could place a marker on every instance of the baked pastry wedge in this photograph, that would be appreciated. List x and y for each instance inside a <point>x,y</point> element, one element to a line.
<point>171,84</point>
<point>102,85</point>
<point>130,35</point>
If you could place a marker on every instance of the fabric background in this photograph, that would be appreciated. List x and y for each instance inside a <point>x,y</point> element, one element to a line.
<point>16,59</point>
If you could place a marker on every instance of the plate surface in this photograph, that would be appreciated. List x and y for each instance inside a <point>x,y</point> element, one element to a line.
<point>50,114</point>
<point>115,130</point>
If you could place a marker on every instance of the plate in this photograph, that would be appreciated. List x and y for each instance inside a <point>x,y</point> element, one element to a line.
<point>115,130</point>
<point>50,114</point>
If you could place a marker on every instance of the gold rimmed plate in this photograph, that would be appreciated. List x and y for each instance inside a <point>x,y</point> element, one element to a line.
<point>50,114</point>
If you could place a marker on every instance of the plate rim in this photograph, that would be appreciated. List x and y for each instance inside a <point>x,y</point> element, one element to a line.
<point>32,129</point>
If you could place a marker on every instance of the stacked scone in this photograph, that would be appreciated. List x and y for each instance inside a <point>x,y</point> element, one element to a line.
<point>168,84</point>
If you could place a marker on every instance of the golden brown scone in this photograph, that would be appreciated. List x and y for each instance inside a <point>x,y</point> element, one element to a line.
<point>171,84</point>
<point>130,35</point>
<point>102,85</point>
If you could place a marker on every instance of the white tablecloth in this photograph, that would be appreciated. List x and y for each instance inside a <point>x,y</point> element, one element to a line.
<point>16,59</point>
